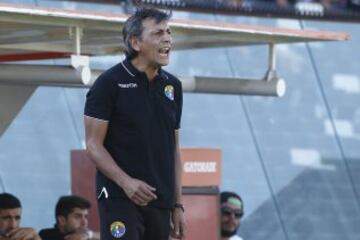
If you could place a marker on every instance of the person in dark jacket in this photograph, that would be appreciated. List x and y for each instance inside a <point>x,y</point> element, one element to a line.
<point>71,215</point>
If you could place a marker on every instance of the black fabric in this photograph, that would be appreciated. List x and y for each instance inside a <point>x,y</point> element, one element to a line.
<point>51,234</point>
<point>140,223</point>
<point>143,116</point>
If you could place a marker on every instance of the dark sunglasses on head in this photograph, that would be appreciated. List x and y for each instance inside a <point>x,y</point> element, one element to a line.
<point>228,211</point>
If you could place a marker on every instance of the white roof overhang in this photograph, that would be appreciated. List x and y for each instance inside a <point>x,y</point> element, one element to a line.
<point>29,33</point>
<point>37,32</point>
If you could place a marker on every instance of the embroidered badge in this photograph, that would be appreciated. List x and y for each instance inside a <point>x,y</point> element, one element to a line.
<point>169,92</point>
<point>117,229</point>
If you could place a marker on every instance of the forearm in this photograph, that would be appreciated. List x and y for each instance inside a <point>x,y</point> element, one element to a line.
<point>106,164</point>
<point>95,132</point>
<point>137,190</point>
<point>37,237</point>
<point>178,218</point>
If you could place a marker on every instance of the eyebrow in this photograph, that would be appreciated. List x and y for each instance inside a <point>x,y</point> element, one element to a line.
<point>162,29</point>
<point>9,217</point>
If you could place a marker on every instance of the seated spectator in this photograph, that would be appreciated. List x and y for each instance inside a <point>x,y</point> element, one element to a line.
<point>232,209</point>
<point>10,217</point>
<point>71,215</point>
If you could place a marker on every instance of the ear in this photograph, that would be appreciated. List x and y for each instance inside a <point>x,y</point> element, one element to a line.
<point>61,220</point>
<point>135,43</point>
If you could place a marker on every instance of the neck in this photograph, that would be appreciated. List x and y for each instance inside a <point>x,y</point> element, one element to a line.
<point>150,71</point>
<point>225,238</point>
<point>61,229</point>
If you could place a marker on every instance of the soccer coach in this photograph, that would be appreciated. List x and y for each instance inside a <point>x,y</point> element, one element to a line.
<point>132,121</point>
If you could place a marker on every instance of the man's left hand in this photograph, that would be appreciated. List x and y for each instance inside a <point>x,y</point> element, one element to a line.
<point>23,234</point>
<point>177,224</point>
<point>77,236</point>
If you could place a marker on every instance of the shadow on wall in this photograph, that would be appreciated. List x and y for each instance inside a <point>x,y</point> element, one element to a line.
<point>319,204</point>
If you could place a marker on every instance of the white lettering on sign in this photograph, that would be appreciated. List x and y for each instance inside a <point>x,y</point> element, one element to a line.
<point>201,167</point>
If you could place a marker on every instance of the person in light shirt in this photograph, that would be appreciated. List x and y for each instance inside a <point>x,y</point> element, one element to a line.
<point>232,210</point>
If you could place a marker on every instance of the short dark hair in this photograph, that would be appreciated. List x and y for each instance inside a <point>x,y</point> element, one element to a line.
<point>66,205</point>
<point>133,26</point>
<point>9,201</point>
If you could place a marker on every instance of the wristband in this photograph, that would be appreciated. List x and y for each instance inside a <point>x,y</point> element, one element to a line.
<point>179,205</point>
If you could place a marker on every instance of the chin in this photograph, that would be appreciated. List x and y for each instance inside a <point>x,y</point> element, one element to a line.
<point>163,63</point>
<point>227,233</point>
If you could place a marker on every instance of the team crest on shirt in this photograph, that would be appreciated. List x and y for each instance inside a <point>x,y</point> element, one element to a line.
<point>117,229</point>
<point>169,92</point>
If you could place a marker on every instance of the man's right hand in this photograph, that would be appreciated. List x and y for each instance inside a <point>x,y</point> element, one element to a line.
<point>82,235</point>
<point>77,236</point>
<point>139,192</point>
<point>23,234</point>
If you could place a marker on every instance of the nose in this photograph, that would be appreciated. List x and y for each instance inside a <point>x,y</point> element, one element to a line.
<point>167,38</point>
<point>84,222</point>
<point>14,223</point>
<point>233,216</point>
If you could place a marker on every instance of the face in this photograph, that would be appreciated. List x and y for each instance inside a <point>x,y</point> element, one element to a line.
<point>154,45</point>
<point>230,218</point>
<point>76,221</point>
<point>9,219</point>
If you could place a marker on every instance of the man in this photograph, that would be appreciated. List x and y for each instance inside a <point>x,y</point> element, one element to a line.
<point>71,213</point>
<point>232,209</point>
<point>10,217</point>
<point>132,121</point>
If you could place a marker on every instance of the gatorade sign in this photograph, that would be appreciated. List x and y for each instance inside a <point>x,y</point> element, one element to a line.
<point>201,167</point>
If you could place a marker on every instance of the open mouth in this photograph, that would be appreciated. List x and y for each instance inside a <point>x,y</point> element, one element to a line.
<point>164,52</point>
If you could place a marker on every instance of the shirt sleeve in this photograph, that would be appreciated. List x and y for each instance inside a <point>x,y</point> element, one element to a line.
<point>101,98</point>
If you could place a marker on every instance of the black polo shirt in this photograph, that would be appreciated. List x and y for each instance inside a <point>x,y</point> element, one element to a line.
<point>143,116</point>
<point>51,234</point>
